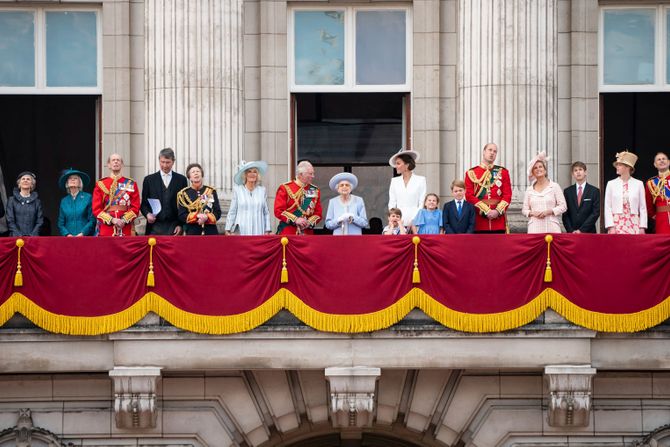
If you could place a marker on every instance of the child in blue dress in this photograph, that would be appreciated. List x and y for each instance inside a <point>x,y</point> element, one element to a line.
<point>429,219</point>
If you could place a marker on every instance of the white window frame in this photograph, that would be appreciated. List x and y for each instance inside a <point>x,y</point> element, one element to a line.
<point>40,87</point>
<point>350,51</point>
<point>660,52</point>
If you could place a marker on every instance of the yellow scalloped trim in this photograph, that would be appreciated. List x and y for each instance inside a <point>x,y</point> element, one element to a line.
<point>284,299</point>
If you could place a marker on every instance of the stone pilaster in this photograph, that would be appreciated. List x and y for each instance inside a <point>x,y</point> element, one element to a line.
<point>193,85</point>
<point>507,83</point>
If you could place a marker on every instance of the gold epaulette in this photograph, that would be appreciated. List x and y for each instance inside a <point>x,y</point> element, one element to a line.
<point>102,186</point>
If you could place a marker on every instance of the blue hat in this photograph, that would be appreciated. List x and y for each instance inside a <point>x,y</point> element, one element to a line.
<point>85,179</point>
<point>337,178</point>
<point>245,166</point>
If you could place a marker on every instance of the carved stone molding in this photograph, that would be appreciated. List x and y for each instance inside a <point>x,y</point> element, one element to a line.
<point>570,389</point>
<point>657,438</point>
<point>352,395</point>
<point>135,396</point>
<point>25,434</point>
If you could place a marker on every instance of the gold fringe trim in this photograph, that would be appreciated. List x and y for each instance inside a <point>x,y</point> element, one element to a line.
<point>284,299</point>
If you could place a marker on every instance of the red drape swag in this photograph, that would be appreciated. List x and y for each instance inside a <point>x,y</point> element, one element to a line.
<point>338,277</point>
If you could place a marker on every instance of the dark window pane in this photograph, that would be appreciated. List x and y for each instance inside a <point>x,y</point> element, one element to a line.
<point>349,128</point>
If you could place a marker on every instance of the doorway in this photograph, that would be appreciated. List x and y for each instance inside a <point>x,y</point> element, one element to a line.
<point>46,134</point>
<point>637,122</point>
<point>352,132</point>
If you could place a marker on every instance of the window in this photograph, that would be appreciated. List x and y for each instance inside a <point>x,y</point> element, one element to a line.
<point>349,128</point>
<point>47,50</point>
<point>17,54</point>
<point>634,49</point>
<point>364,49</point>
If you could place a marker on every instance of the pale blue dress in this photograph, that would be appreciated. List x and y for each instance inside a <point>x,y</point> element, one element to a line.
<point>429,222</point>
<point>336,208</point>
<point>248,214</point>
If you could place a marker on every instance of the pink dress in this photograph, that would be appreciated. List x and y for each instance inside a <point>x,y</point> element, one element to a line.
<point>626,223</point>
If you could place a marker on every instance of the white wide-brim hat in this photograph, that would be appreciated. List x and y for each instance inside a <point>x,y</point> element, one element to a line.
<point>413,154</point>
<point>245,166</point>
<point>337,178</point>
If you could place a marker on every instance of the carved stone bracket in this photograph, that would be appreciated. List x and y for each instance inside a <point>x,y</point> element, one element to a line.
<point>570,389</point>
<point>352,395</point>
<point>135,396</point>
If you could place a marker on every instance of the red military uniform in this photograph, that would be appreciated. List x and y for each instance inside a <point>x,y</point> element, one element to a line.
<point>488,188</point>
<point>115,197</point>
<point>657,193</point>
<point>294,200</point>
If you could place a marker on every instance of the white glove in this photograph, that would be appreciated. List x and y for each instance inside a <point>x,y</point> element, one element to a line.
<point>346,217</point>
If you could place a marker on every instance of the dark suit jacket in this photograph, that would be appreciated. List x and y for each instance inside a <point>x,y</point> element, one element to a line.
<point>153,188</point>
<point>453,224</point>
<point>584,216</point>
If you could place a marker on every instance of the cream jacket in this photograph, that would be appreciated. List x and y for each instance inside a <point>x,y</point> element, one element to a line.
<point>614,200</point>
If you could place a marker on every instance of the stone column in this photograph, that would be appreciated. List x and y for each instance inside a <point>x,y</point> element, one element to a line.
<point>507,88</point>
<point>193,85</point>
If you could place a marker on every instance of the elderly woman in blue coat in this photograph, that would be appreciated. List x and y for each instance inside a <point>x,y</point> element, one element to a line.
<point>346,212</point>
<point>75,217</point>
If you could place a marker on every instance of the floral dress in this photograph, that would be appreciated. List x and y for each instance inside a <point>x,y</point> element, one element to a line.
<point>626,223</point>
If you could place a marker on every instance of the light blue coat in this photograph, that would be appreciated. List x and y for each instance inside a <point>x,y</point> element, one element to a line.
<point>336,209</point>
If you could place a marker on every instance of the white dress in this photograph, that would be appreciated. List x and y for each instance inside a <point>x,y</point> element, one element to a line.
<point>409,198</point>
<point>248,213</point>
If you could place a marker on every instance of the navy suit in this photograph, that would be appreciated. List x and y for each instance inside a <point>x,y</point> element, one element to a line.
<point>452,223</point>
<point>581,217</point>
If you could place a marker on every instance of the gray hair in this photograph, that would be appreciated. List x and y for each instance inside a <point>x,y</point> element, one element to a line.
<point>33,179</point>
<point>80,186</point>
<point>166,153</point>
<point>302,167</point>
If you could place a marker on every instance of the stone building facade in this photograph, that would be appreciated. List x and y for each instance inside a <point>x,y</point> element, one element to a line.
<point>215,80</point>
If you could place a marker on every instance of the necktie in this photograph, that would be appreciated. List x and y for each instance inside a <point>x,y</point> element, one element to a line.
<point>458,208</point>
<point>166,180</point>
<point>579,195</point>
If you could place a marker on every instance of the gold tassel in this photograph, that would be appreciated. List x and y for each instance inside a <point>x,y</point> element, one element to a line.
<point>548,276</point>
<point>416,276</point>
<point>284,270</point>
<point>151,282</point>
<point>18,276</point>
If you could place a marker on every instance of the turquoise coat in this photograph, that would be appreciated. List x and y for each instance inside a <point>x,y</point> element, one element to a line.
<point>76,215</point>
